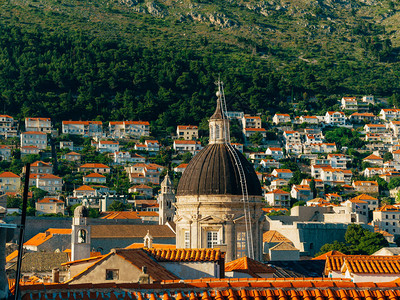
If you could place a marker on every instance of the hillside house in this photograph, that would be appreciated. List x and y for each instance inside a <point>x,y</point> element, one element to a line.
<point>374,160</point>
<point>349,103</point>
<point>301,192</point>
<point>366,187</point>
<point>72,156</point>
<point>49,183</point>
<point>40,167</point>
<point>8,126</point>
<point>120,129</point>
<point>34,138</point>
<point>335,118</point>
<point>187,132</point>
<point>107,146</point>
<point>363,118</point>
<point>83,128</point>
<point>94,168</point>
<point>387,218</point>
<point>95,178</point>
<point>251,121</point>
<point>50,206</point>
<point>9,182</point>
<point>38,124</point>
<point>275,152</point>
<point>281,118</point>
<point>124,157</point>
<point>282,173</point>
<point>187,146</point>
<point>5,152</point>
<point>375,128</point>
<point>278,198</point>
<point>389,114</point>
<point>248,132</point>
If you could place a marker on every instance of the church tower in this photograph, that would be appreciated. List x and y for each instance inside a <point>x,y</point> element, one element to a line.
<point>166,199</point>
<point>219,197</point>
<point>80,237</point>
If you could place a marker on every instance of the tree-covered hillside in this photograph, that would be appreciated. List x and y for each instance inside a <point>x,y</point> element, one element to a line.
<point>158,60</point>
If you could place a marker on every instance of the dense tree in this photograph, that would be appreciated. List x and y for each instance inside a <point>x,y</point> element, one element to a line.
<point>358,241</point>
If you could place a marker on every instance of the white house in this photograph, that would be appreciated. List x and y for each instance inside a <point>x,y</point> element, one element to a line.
<point>187,132</point>
<point>84,128</point>
<point>275,152</point>
<point>282,173</point>
<point>278,198</point>
<point>187,146</point>
<point>281,118</point>
<point>107,146</point>
<point>34,138</point>
<point>119,129</point>
<point>349,103</point>
<point>335,118</point>
<point>38,124</point>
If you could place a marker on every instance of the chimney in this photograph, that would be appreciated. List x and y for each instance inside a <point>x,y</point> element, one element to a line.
<point>144,278</point>
<point>55,274</point>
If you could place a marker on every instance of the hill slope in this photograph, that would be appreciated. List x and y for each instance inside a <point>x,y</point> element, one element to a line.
<point>157,60</point>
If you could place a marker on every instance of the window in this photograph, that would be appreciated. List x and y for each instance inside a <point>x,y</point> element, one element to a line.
<point>240,244</point>
<point>212,238</point>
<point>112,274</point>
<point>187,239</point>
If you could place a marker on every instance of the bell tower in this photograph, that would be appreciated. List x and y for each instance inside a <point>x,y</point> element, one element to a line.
<point>80,237</point>
<point>166,199</point>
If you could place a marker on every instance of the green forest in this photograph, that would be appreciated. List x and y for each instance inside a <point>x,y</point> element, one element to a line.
<point>80,74</point>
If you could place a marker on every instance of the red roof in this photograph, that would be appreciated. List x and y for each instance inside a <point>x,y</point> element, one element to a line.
<point>50,200</point>
<point>94,165</point>
<point>82,122</point>
<point>95,175</point>
<point>9,175</point>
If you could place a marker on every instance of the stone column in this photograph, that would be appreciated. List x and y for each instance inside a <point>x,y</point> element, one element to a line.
<point>230,241</point>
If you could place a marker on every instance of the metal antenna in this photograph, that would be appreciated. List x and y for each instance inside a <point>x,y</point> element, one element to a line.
<point>239,167</point>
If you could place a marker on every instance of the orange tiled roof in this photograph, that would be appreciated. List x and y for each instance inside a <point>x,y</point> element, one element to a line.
<point>248,265</point>
<point>11,256</point>
<point>118,215</point>
<point>36,163</point>
<point>187,127</point>
<point>95,175</point>
<point>9,175</point>
<point>219,289</point>
<point>82,122</point>
<point>273,236</point>
<point>109,142</point>
<point>94,165</point>
<point>325,255</point>
<point>189,254</point>
<point>373,156</point>
<point>364,197</point>
<point>278,191</point>
<point>84,188</point>
<point>34,132</point>
<point>50,200</point>
<point>49,176</point>
<point>372,264</point>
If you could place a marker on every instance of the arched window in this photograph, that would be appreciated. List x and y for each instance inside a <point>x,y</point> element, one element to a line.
<point>81,236</point>
<point>217,133</point>
<point>211,132</point>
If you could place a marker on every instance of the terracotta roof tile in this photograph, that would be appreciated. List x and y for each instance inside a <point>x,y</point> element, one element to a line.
<point>192,254</point>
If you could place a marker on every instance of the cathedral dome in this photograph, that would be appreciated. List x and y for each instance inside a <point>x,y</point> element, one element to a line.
<point>213,172</point>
